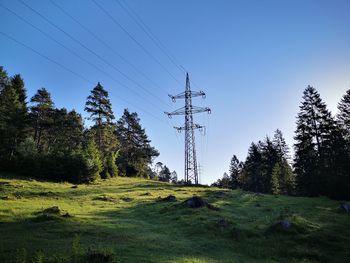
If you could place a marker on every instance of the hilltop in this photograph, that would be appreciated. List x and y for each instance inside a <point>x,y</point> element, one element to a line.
<point>124,219</point>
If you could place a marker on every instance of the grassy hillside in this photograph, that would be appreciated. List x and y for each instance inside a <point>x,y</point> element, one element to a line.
<point>123,217</point>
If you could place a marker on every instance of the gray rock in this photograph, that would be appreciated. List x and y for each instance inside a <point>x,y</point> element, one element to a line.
<point>345,207</point>
<point>169,198</point>
<point>285,224</point>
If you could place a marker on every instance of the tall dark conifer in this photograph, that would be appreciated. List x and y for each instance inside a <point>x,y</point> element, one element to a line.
<point>135,153</point>
<point>41,113</point>
<point>100,109</point>
<point>317,138</point>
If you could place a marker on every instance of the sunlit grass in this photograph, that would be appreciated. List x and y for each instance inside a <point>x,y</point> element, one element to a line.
<point>123,215</point>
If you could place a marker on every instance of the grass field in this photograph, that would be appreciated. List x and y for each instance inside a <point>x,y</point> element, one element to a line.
<point>123,218</point>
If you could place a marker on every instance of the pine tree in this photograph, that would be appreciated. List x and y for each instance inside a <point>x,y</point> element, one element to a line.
<point>165,174</point>
<point>12,123</point>
<point>280,145</point>
<point>17,84</point>
<point>4,80</point>
<point>66,131</point>
<point>235,170</point>
<point>136,153</point>
<point>41,116</point>
<point>317,137</point>
<point>275,176</point>
<point>13,115</point>
<point>343,115</point>
<point>92,163</point>
<point>100,109</point>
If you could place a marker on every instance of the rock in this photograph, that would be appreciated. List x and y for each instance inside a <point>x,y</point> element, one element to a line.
<point>285,224</point>
<point>127,199</point>
<point>67,215</point>
<point>169,198</point>
<point>74,186</point>
<point>145,194</point>
<point>197,202</point>
<point>52,210</point>
<point>222,222</point>
<point>345,207</point>
<point>105,198</point>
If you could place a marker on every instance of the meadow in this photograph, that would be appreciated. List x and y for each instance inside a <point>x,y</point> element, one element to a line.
<point>125,220</point>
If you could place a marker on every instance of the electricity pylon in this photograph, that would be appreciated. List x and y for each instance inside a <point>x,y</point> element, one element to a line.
<point>191,171</point>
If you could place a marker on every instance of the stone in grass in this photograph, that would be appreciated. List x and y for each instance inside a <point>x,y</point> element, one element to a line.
<point>285,224</point>
<point>145,194</point>
<point>197,202</point>
<point>55,210</point>
<point>222,222</point>
<point>169,198</point>
<point>127,199</point>
<point>345,207</point>
<point>74,186</point>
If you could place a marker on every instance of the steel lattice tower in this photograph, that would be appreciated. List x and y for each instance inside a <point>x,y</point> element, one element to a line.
<point>191,171</point>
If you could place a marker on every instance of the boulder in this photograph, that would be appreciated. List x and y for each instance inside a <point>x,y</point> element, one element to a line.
<point>195,202</point>
<point>52,210</point>
<point>285,224</point>
<point>169,198</point>
<point>345,207</point>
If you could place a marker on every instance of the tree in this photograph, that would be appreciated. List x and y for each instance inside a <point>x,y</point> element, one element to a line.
<point>135,153</point>
<point>235,170</point>
<point>173,177</point>
<point>66,131</point>
<point>100,109</point>
<point>280,145</point>
<point>318,147</point>
<point>41,116</point>
<point>343,115</point>
<point>276,174</point>
<point>165,174</point>
<point>91,162</point>
<point>13,116</point>
<point>17,84</point>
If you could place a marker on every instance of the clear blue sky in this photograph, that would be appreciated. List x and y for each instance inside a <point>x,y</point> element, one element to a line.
<point>252,58</point>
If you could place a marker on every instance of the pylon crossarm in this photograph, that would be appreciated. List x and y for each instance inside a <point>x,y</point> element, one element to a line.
<point>185,94</point>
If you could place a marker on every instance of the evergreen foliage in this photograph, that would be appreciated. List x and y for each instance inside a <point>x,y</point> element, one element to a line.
<point>135,153</point>
<point>320,149</point>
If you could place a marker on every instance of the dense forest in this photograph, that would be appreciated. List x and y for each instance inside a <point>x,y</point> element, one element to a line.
<point>321,163</point>
<point>39,140</point>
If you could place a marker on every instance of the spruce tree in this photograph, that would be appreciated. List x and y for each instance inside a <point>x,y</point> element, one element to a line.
<point>235,170</point>
<point>275,176</point>
<point>12,123</point>
<point>13,115</point>
<point>317,137</point>
<point>41,113</point>
<point>135,153</point>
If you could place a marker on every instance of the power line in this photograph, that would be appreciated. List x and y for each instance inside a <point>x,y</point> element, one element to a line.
<point>138,20</point>
<point>73,72</point>
<point>107,45</point>
<point>135,40</point>
<point>91,51</point>
<point>133,15</point>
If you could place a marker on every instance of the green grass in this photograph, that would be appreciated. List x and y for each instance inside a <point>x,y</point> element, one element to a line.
<point>118,216</point>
